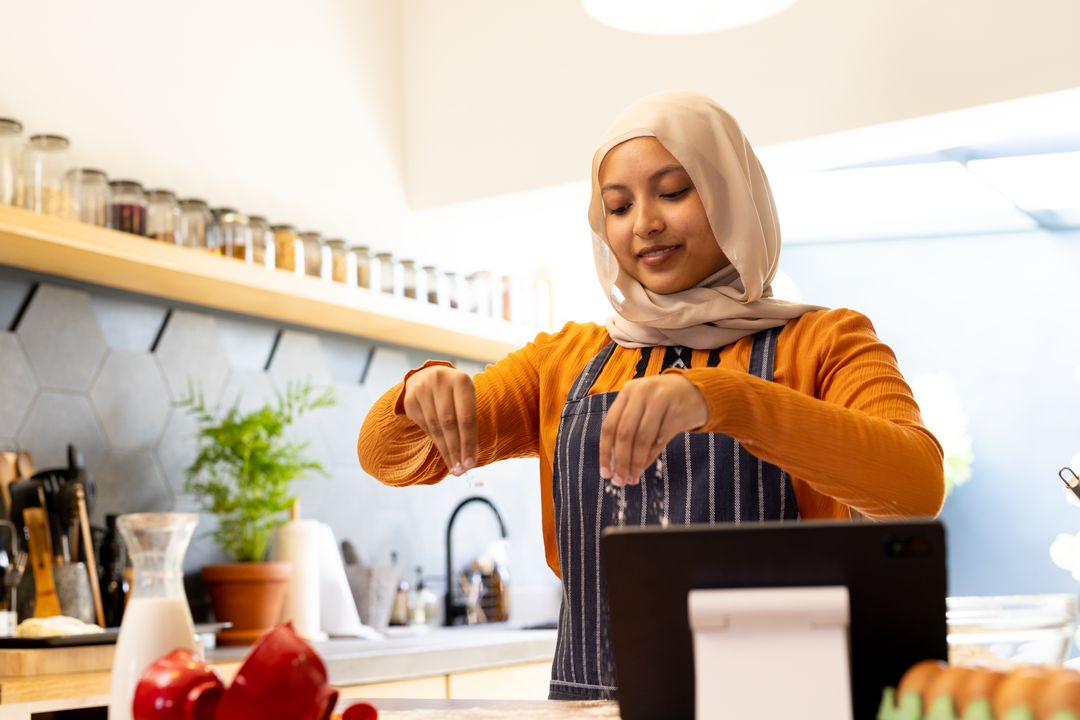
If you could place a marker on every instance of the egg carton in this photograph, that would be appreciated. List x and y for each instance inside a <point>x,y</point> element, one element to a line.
<point>933,690</point>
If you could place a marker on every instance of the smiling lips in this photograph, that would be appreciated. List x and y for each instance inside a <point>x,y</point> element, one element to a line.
<point>654,255</point>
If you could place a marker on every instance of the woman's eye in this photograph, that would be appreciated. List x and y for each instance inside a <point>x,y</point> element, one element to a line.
<point>677,194</point>
<point>621,210</point>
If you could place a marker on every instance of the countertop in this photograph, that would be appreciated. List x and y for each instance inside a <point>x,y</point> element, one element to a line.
<point>408,653</point>
<point>493,709</point>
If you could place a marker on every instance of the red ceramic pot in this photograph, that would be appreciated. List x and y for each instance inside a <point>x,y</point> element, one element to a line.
<point>282,677</point>
<point>179,686</point>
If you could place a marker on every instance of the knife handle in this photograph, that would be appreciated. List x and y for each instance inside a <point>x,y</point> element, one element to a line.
<point>47,603</point>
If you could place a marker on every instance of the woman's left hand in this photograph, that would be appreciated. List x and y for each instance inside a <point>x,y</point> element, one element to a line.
<point>644,418</point>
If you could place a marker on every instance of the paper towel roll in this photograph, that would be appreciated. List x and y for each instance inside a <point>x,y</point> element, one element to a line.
<point>337,608</point>
<point>297,542</point>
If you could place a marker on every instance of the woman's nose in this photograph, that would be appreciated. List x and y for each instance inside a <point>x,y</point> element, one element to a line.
<point>647,223</point>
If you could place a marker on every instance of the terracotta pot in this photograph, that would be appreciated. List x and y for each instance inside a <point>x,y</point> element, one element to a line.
<point>249,595</point>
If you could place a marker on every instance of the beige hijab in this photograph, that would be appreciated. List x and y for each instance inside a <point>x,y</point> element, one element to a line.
<point>737,300</point>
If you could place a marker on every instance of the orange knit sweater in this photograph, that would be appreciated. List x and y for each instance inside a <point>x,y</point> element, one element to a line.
<point>838,416</point>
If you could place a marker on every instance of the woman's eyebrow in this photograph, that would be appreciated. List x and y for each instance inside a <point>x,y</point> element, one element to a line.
<point>652,178</point>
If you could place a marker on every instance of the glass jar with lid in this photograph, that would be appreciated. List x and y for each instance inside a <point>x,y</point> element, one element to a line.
<point>288,251</point>
<point>262,241</point>
<point>362,258</point>
<point>432,289</point>
<point>384,274</point>
<point>338,266</point>
<point>312,243</point>
<point>194,223</point>
<point>10,151</point>
<point>87,193</point>
<point>41,179</point>
<point>480,292</point>
<point>410,279</point>
<point>454,291</point>
<point>162,216</point>
<point>127,207</point>
<point>233,233</point>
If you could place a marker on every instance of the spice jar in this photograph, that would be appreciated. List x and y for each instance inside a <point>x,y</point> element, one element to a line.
<point>10,151</point>
<point>233,234</point>
<point>362,257</point>
<point>338,266</point>
<point>262,241</point>
<point>409,279</point>
<point>480,293</point>
<point>162,216</point>
<point>287,249</point>
<point>194,223</point>
<point>454,295</point>
<point>312,248</point>
<point>431,284</point>
<point>384,273</point>
<point>87,192</point>
<point>41,180</point>
<point>127,207</point>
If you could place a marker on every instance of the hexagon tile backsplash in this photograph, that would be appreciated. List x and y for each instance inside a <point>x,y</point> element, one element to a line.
<point>102,369</point>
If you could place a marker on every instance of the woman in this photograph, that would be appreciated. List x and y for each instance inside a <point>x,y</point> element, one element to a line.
<point>703,400</point>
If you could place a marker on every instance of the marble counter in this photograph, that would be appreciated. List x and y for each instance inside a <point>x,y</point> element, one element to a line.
<point>494,710</point>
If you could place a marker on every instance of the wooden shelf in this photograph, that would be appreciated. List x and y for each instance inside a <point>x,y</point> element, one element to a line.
<point>128,262</point>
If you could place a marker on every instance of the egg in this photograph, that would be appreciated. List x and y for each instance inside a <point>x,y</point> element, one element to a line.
<point>980,685</point>
<point>946,683</point>
<point>919,676</point>
<point>1061,692</point>
<point>1019,688</point>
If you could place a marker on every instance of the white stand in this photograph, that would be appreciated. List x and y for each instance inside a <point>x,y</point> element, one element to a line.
<point>771,653</point>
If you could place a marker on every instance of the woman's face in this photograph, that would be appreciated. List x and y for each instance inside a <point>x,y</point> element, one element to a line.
<point>654,219</point>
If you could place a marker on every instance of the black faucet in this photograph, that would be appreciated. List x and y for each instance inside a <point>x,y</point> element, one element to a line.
<point>453,610</point>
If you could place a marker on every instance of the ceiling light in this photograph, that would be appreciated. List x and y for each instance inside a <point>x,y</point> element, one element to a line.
<point>681,17</point>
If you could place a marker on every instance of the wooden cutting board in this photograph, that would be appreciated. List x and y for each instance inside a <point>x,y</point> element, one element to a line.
<point>21,662</point>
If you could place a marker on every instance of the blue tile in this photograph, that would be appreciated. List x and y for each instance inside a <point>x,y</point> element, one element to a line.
<point>246,342</point>
<point>190,352</point>
<point>130,481</point>
<point>128,323</point>
<point>61,337</point>
<point>131,399</point>
<point>17,384</point>
<point>56,419</point>
<point>299,356</point>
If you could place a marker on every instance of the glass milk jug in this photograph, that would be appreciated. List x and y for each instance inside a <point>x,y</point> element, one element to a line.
<point>157,619</point>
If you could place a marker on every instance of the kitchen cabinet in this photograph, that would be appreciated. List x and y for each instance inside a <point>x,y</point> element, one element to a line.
<point>91,254</point>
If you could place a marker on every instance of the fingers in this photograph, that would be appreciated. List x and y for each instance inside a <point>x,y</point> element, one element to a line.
<point>626,436</point>
<point>443,405</point>
<point>649,441</point>
<point>465,402</point>
<point>446,421</point>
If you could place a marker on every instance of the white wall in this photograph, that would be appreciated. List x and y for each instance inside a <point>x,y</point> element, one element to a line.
<point>507,96</point>
<point>291,110</point>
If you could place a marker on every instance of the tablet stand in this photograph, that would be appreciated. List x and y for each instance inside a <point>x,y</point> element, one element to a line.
<point>771,653</point>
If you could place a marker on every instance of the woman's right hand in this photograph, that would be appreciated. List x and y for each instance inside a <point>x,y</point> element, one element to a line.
<point>442,401</point>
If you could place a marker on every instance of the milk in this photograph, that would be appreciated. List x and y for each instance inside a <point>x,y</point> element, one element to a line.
<point>152,627</point>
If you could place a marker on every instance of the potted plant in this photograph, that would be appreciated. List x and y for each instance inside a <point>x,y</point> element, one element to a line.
<point>243,475</point>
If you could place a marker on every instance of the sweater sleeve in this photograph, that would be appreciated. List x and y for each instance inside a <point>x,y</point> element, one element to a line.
<point>858,439</point>
<point>395,451</point>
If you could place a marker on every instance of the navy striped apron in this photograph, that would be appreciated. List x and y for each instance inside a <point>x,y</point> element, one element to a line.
<point>701,478</point>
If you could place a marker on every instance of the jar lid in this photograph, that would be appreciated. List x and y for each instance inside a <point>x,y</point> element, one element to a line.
<point>253,219</point>
<point>428,267</point>
<point>85,171</point>
<point>336,242</point>
<point>311,235</point>
<point>224,210</point>
<point>51,142</point>
<point>384,255</point>
<point>276,228</point>
<point>128,184</point>
<point>193,202</point>
<point>409,263</point>
<point>10,126</point>
<point>161,193</point>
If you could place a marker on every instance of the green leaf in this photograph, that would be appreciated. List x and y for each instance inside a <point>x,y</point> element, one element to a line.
<point>245,467</point>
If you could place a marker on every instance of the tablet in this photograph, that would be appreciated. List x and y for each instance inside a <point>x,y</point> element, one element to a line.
<point>894,572</point>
